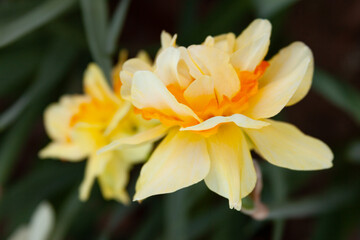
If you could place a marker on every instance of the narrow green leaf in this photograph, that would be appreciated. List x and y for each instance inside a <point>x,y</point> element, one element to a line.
<point>14,140</point>
<point>52,69</point>
<point>339,93</point>
<point>314,205</point>
<point>116,25</point>
<point>19,201</point>
<point>48,10</point>
<point>11,62</point>
<point>176,215</point>
<point>94,14</point>
<point>67,214</point>
<point>269,8</point>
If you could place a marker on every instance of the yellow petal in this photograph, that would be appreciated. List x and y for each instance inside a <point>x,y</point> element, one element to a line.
<point>95,165</point>
<point>282,79</point>
<point>167,40</point>
<point>167,64</point>
<point>64,151</point>
<point>113,180</point>
<point>179,161</point>
<point>216,63</point>
<point>252,45</point>
<point>148,91</point>
<point>136,154</point>
<point>239,119</point>
<point>200,92</point>
<point>143,137</point>
<point>118,116</point>
<point>232,174</point>
<point>95,84</point>
<point>88,137</point>
<point>224,42</point>
<point>127,73</point>
<point>58,115</point>
<point>284,145</point>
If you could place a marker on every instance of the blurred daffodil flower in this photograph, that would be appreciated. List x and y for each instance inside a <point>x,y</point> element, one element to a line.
<point>79,125</point>
<point>214,101</point>
<point>40,226</point>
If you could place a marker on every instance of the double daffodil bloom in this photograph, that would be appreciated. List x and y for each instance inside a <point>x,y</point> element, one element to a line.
<point>80,125</point>
<point>214,101</point>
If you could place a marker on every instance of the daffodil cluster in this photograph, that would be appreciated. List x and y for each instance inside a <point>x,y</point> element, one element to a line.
<point>213,102</point>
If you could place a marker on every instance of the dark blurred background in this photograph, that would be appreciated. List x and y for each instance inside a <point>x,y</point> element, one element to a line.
<point>45,45</point>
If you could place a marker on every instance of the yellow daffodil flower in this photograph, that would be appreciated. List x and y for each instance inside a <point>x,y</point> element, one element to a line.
<point>80,125</point>
<point>214,101</point>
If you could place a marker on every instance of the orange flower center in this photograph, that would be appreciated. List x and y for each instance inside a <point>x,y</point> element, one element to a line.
<point>226,107</point>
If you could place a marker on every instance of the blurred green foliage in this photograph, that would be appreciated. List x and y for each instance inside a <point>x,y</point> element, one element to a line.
<point>44,48</point>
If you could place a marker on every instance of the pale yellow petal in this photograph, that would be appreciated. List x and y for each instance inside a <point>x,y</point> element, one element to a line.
<point>148,91</point>
<point>284,145</point>
<point>252,45</point>
<point>167,40</point>
<point>95,165</point>
<point>232,174</point>
<point>88,137</point>
<point>150,135</point>
<point>127,73</point>
<point>57,116</point>
<point>287,70</point>
<point>239,119</point>
<point>118,116</point>
<point>63,151</point>
<point>168,68</point>
<point>216,63</point>
<point>200,92</point>
<point>114,179</point>
<point>143,55</point>
<point>95,84</point>
<point>179,161</point>
<point>136,154</point>
<point>224,42</point>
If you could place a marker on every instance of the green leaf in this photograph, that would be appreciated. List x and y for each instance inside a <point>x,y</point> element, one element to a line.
<point>46,181</point>
<point>324,202</point>
<point>94,14</point>
<point>48,10</point>
<point>18,67</point>
<point>54,65</point>
<point>116,25</point>
<point>339,93</point>
<point>13,141</point>
<point>68,211</point>
<point>269,8</point>
<point>176,215</point>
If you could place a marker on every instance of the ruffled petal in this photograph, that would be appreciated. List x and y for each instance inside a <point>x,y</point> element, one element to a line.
<point>148,91</point>
<point>64,151</point>
<point>179,161</point>
<point>280,85</point>
<point>57,117</point>
<point>114,179</point>
<point>127,73</point>
<point>284,145</point>
<point>95,84</point>
<point>239,119</point>
<point>252,45</point>
<point>232,174</point>
<point>143,137</point>
<point>94,167</point>
<point>216,63</point>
